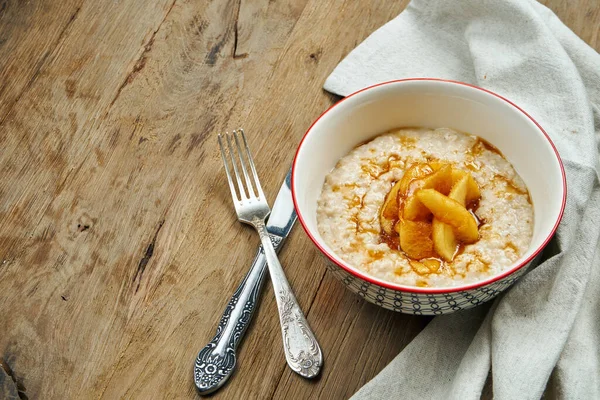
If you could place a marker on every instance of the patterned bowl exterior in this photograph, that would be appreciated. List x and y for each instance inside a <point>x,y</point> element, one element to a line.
<point>424,303</point>
<point>312,161</point>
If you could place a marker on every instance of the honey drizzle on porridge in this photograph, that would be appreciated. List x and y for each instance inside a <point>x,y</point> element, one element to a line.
<point>511,187</point>
<point>337,188</point>
<point>477,149</point>
<point>375,170</point>
<point>511,246</point>
<point>480,145</point>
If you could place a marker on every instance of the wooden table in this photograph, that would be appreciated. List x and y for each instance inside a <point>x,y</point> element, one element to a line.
<point>119,247</point>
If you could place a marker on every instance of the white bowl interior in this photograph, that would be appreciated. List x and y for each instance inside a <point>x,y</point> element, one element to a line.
<point>430,104</point>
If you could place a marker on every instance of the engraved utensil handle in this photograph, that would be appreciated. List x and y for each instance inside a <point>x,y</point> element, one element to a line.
<point>302,351</point>
<point>216,361</point>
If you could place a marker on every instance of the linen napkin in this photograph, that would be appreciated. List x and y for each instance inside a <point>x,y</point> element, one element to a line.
<point>543,336</point>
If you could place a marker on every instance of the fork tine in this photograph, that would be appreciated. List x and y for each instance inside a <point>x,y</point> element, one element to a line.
<point>252,167</point>
<point>226,164</point>
<point>246,176</point>
<point>235,169</point>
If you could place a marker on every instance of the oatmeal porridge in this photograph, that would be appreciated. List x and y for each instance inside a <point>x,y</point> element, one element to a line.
<point>426,207</point>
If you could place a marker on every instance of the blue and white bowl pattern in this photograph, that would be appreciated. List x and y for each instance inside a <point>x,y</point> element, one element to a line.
<point>423,303</point>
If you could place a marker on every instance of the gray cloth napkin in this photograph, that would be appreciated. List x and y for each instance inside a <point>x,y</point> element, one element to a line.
<point>543,335</point>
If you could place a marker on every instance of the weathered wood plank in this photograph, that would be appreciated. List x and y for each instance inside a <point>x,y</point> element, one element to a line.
<point>43,145</point>
<point>29,32</point>
<point>582,16</point>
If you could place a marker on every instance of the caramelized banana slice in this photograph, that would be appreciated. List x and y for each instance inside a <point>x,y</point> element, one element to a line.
<point>436,165</point>
<point>473,192</point>
<point>457,175</point>
<point>414,210</point>
<point>441,180</point>
<point>464,191</point>
<point>444,240</point>
<point>460,189</point>
<point>398,227</point>
<point>389,211</point>
<point>415,239</point>
<point>450,212</point>
<point>415,172</point>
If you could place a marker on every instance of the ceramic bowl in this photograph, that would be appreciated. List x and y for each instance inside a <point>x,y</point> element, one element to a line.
<point>430,103</point>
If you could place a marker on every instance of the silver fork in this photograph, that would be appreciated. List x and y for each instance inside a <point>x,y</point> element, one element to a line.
<point>302,352</point>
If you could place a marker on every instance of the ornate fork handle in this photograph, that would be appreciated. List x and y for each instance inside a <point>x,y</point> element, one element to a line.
<point>302,351</point>
<point>216,361</point>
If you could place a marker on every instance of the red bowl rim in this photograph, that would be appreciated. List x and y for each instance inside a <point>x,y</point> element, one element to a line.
<point>413,289</point>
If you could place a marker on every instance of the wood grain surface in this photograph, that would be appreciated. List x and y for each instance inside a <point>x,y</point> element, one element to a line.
<point>119,247</point>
